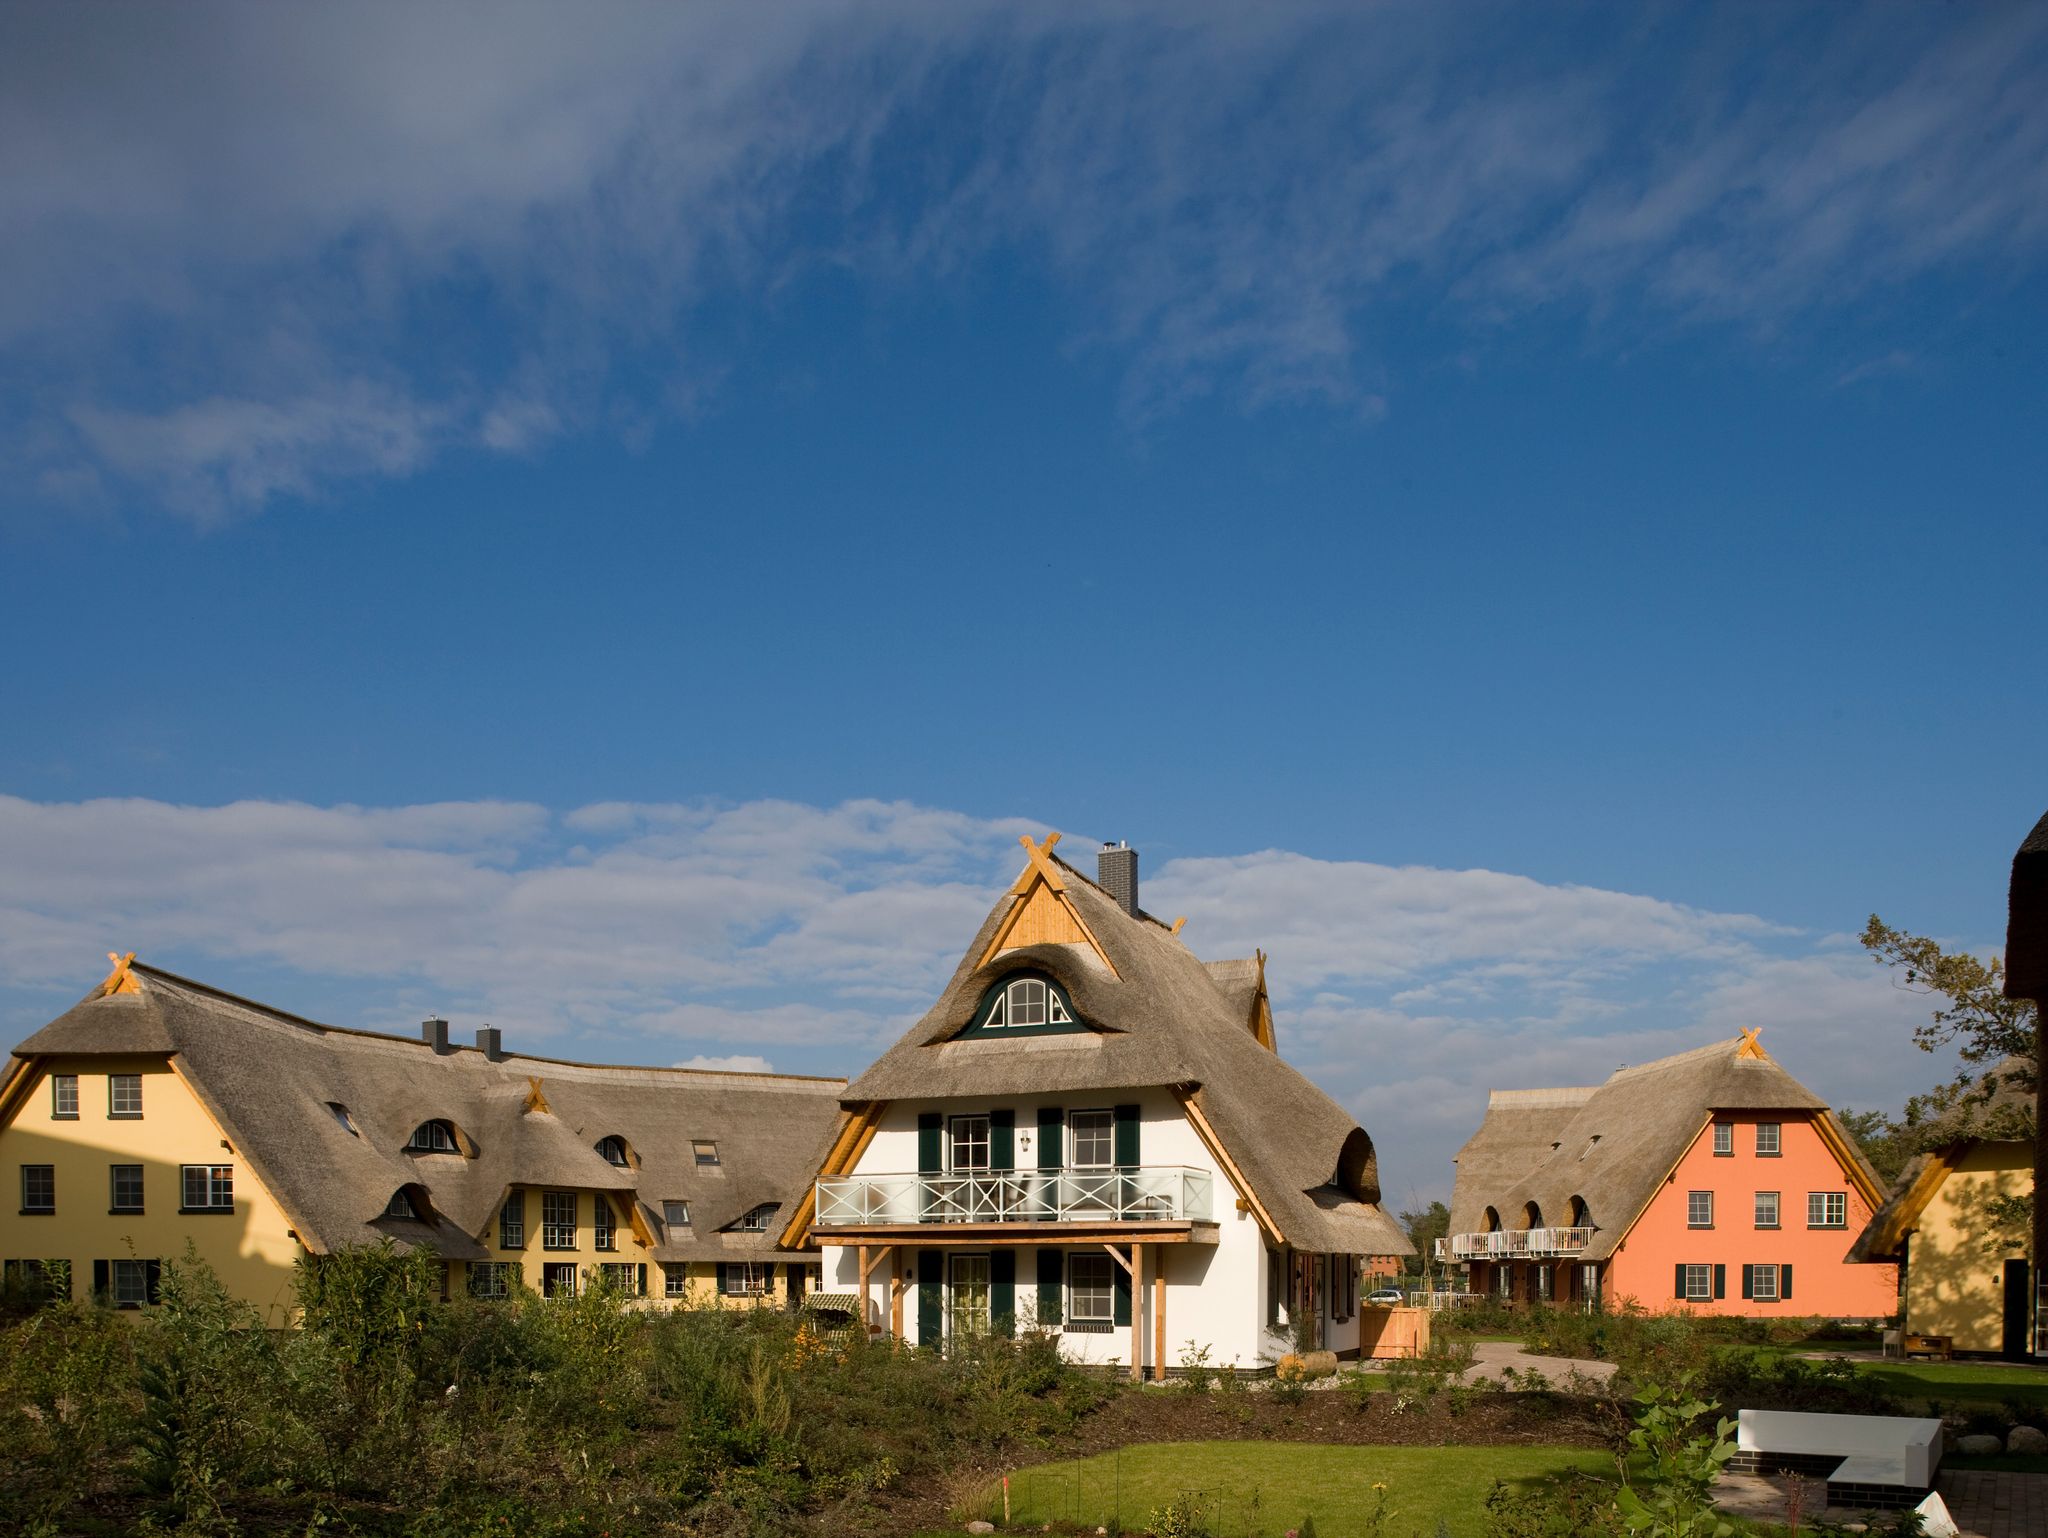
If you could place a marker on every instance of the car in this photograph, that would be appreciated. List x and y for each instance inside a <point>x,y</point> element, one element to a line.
<point>1384,1295</point>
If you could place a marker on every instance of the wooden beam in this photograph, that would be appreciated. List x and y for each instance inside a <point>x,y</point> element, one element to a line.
<point>1159,1317</point>
<point>1177,923</point>
<point>870,1257</point>
<point>1214,1144</point>
<point>1117,1255</point>
<point>856,1131</point>
<point>1040,864</point>
<point>898,1285</point>
<point>866,1329</point>
<point>1137,1313</point>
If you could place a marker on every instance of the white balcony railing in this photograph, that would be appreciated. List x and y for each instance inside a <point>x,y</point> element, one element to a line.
<point>1521,1243</point>
<point>1152,1193</point>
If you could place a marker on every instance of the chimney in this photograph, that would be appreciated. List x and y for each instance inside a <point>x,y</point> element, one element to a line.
<point>491,1042</point>
<point>434,1032</point>
<point>1116,872</point>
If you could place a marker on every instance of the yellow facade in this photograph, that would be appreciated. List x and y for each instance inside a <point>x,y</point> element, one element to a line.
<point>1955,1263</point>
<point>251,1247</point>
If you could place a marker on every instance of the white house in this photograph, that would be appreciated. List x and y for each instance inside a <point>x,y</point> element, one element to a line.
<point>1091,1131</point>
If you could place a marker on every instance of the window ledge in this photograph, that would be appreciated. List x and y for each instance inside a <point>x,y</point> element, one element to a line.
<point>125,1212</point>
<point>1090,1327</point>
<point>63,1116</point>
<point>219,1212</point>
<point>39,1212</point>
<point>125,1116</point>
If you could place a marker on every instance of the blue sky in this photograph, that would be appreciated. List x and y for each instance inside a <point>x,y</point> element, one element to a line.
<point>1532,516</point>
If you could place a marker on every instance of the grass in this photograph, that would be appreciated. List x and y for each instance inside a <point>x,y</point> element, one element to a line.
<point>1955,1385</point>
<point>1268,1487</point>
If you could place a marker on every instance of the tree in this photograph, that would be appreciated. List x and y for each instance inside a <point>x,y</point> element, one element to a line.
<point>1426,1227</point>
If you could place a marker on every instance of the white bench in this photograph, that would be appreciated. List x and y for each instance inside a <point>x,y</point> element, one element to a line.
<point>1874,1457</point>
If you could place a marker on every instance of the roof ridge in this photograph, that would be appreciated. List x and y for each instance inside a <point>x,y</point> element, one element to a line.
<point>1090,881</point>
<point>1690,1055</point>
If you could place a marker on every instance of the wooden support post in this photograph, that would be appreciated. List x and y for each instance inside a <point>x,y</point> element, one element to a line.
<point>1159,1314</point>
<point>1137,1313</point>
<point>869,1259</point>
<point>898,1285</point>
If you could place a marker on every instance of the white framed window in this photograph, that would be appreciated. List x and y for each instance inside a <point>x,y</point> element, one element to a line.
<point>604,1226</point>
<point>1767,1209</point>
<point>558,1220</point>
<point>207,1188</point>
<point>131,1283</point>
<point>1504,1281</point>
<point>64,1096</point>
<point>124,1096</point>
<point>512,1222</point>
<point>1027,1001</point>
<point>432,1137</point>
<point>39,1188</point>
<point>755,1221</point>
<point>124,1183</point>
<point>621,1274</point>
<point>1543,1283</point>
<point>675,1279</point>
<point>1091,1140</point>
<point>1589,1284</point>
<point>1761,1283</point>
<point>1699,1209</point>
<point>1091,1292</point>
<point>1827,1209</point>
<point>400,1205</point>
<point>705,1152</point>
<point>558,1279</point>
<point>969,1140</point>
<point>1724,1139</point>
<point>676,1214</point>
<point>1768,1139</point>
<point>1699,1284</point>
<point>613,1151</point>
<point>490,1278</point>
<point>743,1278</point>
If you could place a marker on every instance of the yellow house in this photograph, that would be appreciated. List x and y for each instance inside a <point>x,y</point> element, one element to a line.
<point>159,1112</point>
<point>1961,1258</point>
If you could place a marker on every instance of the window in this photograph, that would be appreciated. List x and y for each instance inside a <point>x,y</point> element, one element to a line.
<point>1092,1136</point>
<point>1592,1143</point>
<point>970,1142</point>
<point>1543,1282</point>
<point>1760,1283</point>
<point>125,1181</point>
<point>1724,1139</point>
<point>1504,1281</point>
<point>675,1279</point>
<point>40,1281</point>
<point>400,1205</point>
<point>676,1214</point>
<point>1767,1139</point>
<point>432,1137</point>
<point>1027,1001</point>
<point>756,1221</point>
<point>1699,1209</point>
<point>1090,1292</point>
<point>558,1220</point>
<point>613,1151</point>
<point>39,1188</point>
<point>628,1278</point>
<point>1589,1285</point>
<point>1827,1209</point>
<point>1767,1209</point>
<point>340,1113</point>
<point>558,1279</point>
<point>1699,1284</point>
<point>604,1224</point>
<point>130,1283</point>
<point>209,1188</point>
<point>124,1096</point>
<point>490,1278</point>
<point>512,1222</point>
<point>705,1152</point>
<point>744,1278</point>
<point>64,1096</point>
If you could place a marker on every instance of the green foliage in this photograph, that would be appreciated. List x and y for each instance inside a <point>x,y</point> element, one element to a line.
<point>1683,1461</point>
<point>67,1409</point>
<point>1196,1372</point>
<point>1416,1381</point>
<point>1425,1227</point>
<point>1569,1505</point>
<point>1184,1517</point>
<point>1973,1012</point>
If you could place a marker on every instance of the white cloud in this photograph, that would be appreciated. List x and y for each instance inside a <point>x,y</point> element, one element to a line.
<point>736,1064</point>
<point>632,932</point>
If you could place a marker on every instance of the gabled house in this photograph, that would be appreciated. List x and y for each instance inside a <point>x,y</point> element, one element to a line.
<point>1711,1181</point>
<point>159,1111</point>
<point>1091,1131</point>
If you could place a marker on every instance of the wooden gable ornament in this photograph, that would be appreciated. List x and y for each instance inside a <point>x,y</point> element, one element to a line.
<point>121,979</point>
<point>1043,913</point>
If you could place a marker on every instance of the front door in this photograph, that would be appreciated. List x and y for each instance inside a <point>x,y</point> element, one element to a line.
<point>966,1296</point>
<point>2013,1342</point>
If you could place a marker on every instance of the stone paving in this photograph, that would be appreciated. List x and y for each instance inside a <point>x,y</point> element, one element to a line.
<point>1984,1503</point>
<point>1490,1356</point>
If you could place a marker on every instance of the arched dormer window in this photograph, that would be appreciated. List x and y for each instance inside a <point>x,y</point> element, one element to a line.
<point>1026,1002</point>
<point>1579,1217</point>
<point>613,1151</point>
<point>435,1136</point>
<point>1492,1221</point>
<point>401,1205</point>
<point>1532,1216</point>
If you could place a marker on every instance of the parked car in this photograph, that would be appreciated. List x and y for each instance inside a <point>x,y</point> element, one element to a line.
<point>1384,1295</point>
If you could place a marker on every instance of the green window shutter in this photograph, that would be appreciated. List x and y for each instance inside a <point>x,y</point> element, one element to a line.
<point>1122,1277</point>
<point>1002,1291</point>
<point>928,1156</point>
<point>1720,1281</point>
<point>1678,1287</point>
<point>1127,1137</point>
<point>1052,1126</point>
<point>1002,1140</point>
<point>1784,1284</point>
<point>1051,1265</point>
<point>153,1277</point>
<point>102,1279</point>
<point>1748,1283</point>
<point>930,1302</point>
<point>721,1278</point>
<point>640,1282</point>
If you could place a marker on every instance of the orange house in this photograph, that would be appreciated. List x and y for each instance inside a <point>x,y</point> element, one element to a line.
<point>1712,1181</point>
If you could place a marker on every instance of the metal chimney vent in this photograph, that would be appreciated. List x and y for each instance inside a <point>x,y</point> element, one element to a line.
<point>490,1041</point>
<point>1116,872</point>
<point>434,1032</point>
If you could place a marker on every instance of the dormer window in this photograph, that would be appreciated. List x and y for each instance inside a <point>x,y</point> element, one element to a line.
<point>756,1221</point>
<point>613,1151</point>
<point>1027,1001</point>
<point>705,1152</point>
<point>340,1113</point>
<point>400,1205</point>
<point>433,1137</point>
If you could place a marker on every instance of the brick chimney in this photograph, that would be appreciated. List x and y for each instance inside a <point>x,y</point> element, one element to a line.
<point>434,1032</point>
<point>491,1042</point>
<point>1116,872</point>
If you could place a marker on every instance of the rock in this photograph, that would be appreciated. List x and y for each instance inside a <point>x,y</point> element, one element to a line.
<point>981,1527</point>
<point>2027,1441</point>
<point>1979,1446</point>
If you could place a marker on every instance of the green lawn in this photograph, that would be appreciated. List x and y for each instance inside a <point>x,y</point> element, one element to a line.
<point>1965,1385</point>
<point>1268,1487</point>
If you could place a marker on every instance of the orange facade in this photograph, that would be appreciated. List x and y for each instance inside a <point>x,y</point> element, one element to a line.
<point>1757,1218</point>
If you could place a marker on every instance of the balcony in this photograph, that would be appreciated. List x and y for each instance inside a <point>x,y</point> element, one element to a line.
<point>1152,1194</point>
<point>1520,1243</point>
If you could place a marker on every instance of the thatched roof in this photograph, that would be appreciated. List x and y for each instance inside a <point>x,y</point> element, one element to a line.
<point>1997,1107</point>
<point>2026,932</point>
<point>270,1079</point>
<point>1157,1018</point>
<point>1611,1145</point>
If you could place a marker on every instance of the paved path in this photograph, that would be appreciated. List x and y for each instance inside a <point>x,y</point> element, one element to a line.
<point>1491,1356</point>
<point>1984,1503</point>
